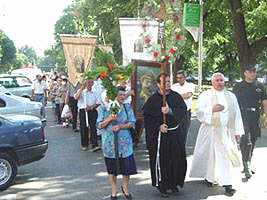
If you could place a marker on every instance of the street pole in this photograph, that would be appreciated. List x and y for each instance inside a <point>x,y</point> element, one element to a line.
<point>200,48</point>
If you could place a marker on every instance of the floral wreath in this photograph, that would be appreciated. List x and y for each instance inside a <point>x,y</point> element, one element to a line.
<point>105,68</point>
<point>175,39</point>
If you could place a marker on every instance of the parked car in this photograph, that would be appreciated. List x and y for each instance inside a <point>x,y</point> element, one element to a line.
<point>4,90</point>
<point>18,85</point>
<point>22,142</point>
<point>11,104</point>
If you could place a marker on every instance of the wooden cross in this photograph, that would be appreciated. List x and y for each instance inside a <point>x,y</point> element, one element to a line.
<point>163,16</point>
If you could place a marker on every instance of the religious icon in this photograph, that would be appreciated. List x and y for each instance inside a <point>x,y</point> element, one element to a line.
<point>138,46</point>
<point>79,64</point>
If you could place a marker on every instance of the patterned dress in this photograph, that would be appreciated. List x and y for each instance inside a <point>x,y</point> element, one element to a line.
<point>125,145</point>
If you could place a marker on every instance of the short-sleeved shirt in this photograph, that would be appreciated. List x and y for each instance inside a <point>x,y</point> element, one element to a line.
<point>250,95</point>
<point>182,89</point>
<point>39,87</point>
<point>72,90</point>
<point>124,138</point>
<point>90,99</point>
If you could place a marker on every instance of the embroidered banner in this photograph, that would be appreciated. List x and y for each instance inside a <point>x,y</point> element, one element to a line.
<point>78,52</point>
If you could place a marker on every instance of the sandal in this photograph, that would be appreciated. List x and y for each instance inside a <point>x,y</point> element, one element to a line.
<point>127,197</point>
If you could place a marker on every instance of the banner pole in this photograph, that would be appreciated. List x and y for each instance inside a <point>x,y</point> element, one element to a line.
<point>200,46</point>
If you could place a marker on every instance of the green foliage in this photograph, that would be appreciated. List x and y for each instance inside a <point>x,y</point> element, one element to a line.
<point>30,53</point>
<point>8,53</point>
<point>109,72</point>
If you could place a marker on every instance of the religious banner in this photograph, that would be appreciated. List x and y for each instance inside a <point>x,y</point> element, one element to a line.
<point>192,19</point>
<point>131,42</point>
<point>78,52</point>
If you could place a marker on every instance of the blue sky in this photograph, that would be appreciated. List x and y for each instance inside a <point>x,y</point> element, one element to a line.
<point>31,22</point>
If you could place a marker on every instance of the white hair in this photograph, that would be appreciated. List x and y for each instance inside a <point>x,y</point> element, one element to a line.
<point>216,74</point>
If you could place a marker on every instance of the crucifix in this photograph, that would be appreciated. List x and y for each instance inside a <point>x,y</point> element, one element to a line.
<point>162,16</point>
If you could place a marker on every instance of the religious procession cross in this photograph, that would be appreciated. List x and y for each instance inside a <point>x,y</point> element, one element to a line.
<point>163,16</point>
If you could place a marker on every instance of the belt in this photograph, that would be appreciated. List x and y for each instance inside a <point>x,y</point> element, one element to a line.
<point>249,109</point>
<point>39,94</point>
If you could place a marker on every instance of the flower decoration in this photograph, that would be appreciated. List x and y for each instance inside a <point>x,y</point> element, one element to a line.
<point>109,72</point>
<point>175,37</point>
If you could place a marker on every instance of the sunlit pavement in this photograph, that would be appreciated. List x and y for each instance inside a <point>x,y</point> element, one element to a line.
<point>67,173</point>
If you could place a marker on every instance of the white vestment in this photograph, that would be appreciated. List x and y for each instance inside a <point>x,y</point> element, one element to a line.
<point>210,159</point>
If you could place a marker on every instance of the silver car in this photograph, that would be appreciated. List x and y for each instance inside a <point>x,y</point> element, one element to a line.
<point>18,85</point>
<point>11,104</point>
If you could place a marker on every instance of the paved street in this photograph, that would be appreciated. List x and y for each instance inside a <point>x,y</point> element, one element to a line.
<point>67,173</point>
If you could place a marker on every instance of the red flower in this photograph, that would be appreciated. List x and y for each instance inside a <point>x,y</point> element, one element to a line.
<point>166,57</point>
<point>144,25</point>
<point>156,54</point>
<point>103,75</point>
<point>110,66</point>
<point>178,36</point>
<point>171,1</point>
<point>148,9</point>
<point>172,51</point>
<point>147,40</point>
<point>176,19</point>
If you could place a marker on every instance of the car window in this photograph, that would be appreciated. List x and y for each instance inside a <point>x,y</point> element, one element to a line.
<point>23,81</point>
<point>2,103</point>
<point>8,82</point>
<point>15,81</point>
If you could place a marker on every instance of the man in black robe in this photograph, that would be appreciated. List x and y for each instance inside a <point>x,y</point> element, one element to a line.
<point>168,159</point>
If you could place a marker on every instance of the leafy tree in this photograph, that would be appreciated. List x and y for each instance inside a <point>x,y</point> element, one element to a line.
<point>30,53</point>
<point>8,53</point>
<point>21,60</point>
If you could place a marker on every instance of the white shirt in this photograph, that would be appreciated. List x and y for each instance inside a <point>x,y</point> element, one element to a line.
<point>88,98</point>
<point>98,89</point>
<point>182,89</point>
<point>129,98</point>
<point>39,87</point>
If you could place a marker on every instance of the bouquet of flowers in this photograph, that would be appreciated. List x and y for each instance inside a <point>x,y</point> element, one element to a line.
<point>110,73</point>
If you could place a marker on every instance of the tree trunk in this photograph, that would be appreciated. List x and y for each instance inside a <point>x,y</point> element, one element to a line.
<point>240,33</point>
<point>247,54</point>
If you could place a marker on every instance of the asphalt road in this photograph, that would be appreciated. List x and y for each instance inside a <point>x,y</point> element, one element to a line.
<point>67,173</point>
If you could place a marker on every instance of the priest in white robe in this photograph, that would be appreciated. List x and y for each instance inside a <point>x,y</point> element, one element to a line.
<point>216,152</point>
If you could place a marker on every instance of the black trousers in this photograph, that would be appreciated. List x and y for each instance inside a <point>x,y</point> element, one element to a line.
<point>92,117</point>
<point>74,111</point>
<point>248,141</point>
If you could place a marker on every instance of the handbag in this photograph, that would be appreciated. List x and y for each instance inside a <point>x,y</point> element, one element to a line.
<point>132,129</point>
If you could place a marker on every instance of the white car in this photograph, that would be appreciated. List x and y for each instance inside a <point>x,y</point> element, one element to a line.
<point>18,85</point>
<point>11,104</point>
<point>4,90</point>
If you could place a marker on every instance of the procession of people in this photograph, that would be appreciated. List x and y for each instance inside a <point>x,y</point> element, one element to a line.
<point>227,119</point>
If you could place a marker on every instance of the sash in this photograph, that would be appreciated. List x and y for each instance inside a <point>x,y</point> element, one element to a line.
<point>230,152</point>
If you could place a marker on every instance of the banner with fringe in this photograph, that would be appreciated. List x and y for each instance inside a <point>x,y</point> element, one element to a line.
<point>79,51</point>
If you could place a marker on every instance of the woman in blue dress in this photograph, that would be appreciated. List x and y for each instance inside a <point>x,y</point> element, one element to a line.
<point>109,125</point>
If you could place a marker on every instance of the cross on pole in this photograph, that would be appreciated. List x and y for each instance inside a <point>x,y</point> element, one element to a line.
<point>162,15</point>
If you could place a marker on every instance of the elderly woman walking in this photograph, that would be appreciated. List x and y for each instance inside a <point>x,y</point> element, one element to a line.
<point>118,153</point>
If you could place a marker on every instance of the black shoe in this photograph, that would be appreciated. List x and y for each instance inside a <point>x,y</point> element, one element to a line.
<point>229,191</point>
<point>113,198</point>
<point>175,190</point>
<point>209,184</point>
<point>127,197</point>
<point>163,193</point>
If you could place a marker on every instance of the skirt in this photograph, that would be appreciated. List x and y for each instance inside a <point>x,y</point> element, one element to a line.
<point>127,166</point>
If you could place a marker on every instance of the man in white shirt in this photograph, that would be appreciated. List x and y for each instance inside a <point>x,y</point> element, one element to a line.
<point>87,104</point>
<point>39,88</point>
<point>186,90</point>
